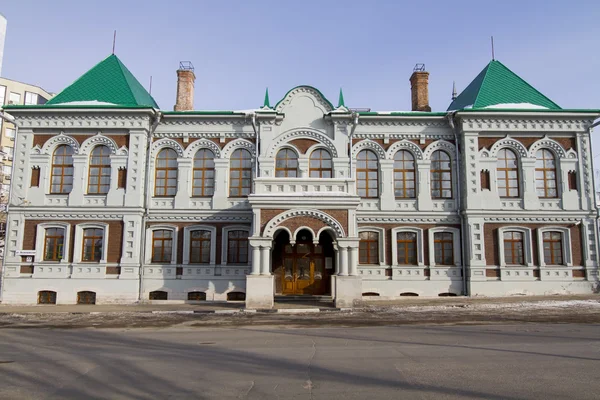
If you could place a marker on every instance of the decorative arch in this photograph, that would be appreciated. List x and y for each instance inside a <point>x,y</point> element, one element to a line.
<point>510,143</point>
<point>301,134</point>
<point>370,145</point>
<point>286,229</point>
<point>274,223</point>
<point>323,102</point>
<point>162,143</point>
<point>440,145</point>
<point>193,148</point>
<point>405,145</point>
<point>550,144</point>
<point>326,229</point>
<point>238,144</point>
<point>308,228</point>
<point>55,141</point>
<point>88,145</point>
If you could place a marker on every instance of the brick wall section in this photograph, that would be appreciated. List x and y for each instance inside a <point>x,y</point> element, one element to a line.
<point>565,142</point>
<point>120,140</point>
<point>115,237</point>
<point>339,215</point>
<point>492,255</point>
<point>390,242</point>
<point>302,144</point>
<point>185,90</point>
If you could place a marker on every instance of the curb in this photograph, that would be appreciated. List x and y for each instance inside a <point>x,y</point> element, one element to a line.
<point>191,312</point>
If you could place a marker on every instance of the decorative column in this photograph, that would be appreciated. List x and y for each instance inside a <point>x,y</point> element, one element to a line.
<point>79,173</point>
<point>184,172</point>
<point>353,261</point>
<point>265,260</point>
<point>424,201</point>
<point>255,260</point>
<point>531,200</point>
<point>115,196</point>
<point>387,196</point>
<point>343,267</point>
<point>221,183</point>
<point>260,287</point>
<point>303,166</point>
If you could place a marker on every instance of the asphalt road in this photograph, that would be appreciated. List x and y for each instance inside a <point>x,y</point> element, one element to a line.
<point>524,361</point>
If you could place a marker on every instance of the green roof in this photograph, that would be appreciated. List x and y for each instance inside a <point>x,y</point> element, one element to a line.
<point>497,84</point>
<point>109,82</point>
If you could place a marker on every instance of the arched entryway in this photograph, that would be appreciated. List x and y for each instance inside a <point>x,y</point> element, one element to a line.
<point>303,265</point>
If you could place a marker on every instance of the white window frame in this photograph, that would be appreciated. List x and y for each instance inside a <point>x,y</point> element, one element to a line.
<point>32,94</point>
<point>11,95</point>
<point>420,252</point>
<point>225,237</point>
<point>40,235</point>
<point>186,243</point>
<point>149,232</point>
<point>566,242</point>
<point>77,255</point>
<point>527,242</point>
<point>380,244</point>
<point>455,245</point>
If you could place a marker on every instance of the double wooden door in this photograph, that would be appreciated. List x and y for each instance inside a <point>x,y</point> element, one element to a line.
<point>304,269</point>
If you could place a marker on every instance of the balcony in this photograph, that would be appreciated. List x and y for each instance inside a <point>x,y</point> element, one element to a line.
<point>304,191</point>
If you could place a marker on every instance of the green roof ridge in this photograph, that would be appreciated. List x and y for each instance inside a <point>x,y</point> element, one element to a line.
<point>109,81</point>
<point>341,99</point>
<point>267,103</point>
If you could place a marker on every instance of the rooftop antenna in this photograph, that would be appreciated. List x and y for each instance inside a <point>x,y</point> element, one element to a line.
<point>114,41</point>
<point>454,94</point>
<point>493,57</point>
<point>150,85</point>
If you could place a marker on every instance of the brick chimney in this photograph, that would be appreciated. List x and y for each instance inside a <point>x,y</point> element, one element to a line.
<point>419,87</point>
<point>185,87</point>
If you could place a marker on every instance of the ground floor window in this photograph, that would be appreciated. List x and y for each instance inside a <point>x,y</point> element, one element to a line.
<point>46,297</point>
<point>86,297</point>
<point>159,295</point>
<point>196,296</point>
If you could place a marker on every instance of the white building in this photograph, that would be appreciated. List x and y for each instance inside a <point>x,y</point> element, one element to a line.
<point>116,201</point>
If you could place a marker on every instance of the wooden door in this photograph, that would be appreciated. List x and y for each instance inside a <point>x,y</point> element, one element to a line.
<point>303,269</point>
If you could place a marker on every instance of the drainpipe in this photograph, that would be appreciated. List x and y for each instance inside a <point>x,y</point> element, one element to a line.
<point>157,118</point>
<point>354,125</point>
<point>450,117</point>
<point>8,118</point>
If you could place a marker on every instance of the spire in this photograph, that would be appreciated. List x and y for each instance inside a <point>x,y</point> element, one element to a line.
<point>454,94</point>
<point>341,99</point>
<point>267,103</point>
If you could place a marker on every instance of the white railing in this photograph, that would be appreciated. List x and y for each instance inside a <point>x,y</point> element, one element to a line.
<point>312,186</point>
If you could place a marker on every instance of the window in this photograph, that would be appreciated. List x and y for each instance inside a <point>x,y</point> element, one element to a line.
<point>441,175</point>
<point>508,173</point>
<point>86,297</point>
<point>31,98</point>
<point>14,98</point>
<point>237,247</point>
<point>367,173</point>
<point>321,165</point>
<point>54,244</point>
<point>240,173</point>
<point>166,173</point>
<point>572,180</point>
<point>10,133</point>
<point>46,297</point>
<point>122,178</point>
<point>35,177</point>
<point>158,295</point>
<point>6,170</point>
<point>162,246</point>
<point>513,248</point>
<point>545,174</point>
<point>8,150</point>
<point>99,171</point>
<point>92,244</point>
<point>406,243</point>
<point>62,170</point>
<point>286,164</point>
<point>203,184</point>
<point>368,251</point>
<point>443,248</point>
<point>200,247</point>
<point>404,175</point>
<point>553,248</point>
<point>484,176</point>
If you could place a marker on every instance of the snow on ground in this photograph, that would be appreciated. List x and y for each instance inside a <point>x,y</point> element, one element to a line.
<point>526,305</point>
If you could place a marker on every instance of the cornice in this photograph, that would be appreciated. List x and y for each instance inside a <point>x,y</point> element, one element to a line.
<point>401,121</point>
<point>70,216</point>
<point>202,218</point>
<point>405,219</point>
<point>75,121</point>
<point>525,124</point>
<point>234,120</point>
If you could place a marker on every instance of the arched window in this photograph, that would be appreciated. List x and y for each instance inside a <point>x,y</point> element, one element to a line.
<point>240,173</point>
<point>162,246</point>
<point>99,173</point>
<point>62,170</point>
<point>199,247</point>
<point>545,174</point>
<point>321,165</point>
<point>553,248</point>
<point>406,243</point>
<point>54,244</point>
<point>508,173</point>
<point>404,175</point>
<point>286,164</point>
<point>165,183</point>
<point>203,183</point>
<point>441,175</point>
<point>368,250</point>
<point>92,244</point>
<point>367,174</point>
<point>513,248</point>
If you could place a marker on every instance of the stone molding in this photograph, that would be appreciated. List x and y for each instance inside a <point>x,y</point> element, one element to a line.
<point>164,143</point>
<point>55,141</point>
<point>90,143</point>
<point>238,144</point>
<point>510,143</point>
<point>440,145</point>
<point>284,138</point>
<point>525,124</point>
<point>368,144</point>
<point>320,215</point>
<point>303,89</point>
<point>405,145</point>
<point>193,148</point>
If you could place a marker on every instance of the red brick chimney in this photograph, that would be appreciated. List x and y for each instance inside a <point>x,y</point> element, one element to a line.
<point>185,87</point>
<point>419,87</point>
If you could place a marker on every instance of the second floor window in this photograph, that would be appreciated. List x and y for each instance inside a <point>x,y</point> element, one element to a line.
<point>443,248</point>
<point>508,173</point>
<point>204,173</point>
<point>54,244</point>
<point>237,247</point>
<point>286,164</point>
<point>165,183</point>
<point>553,248</point>
<point>513,248</point>
<point>441,175</point>
<point>545,174</point>
<point>368,250</point>
<point>240,173</point>
<point>407,248</point>
<point>162,246</point>
<point>92,244</point>
<point>99,171</point>
<point>404,175</point>
<point>200,247</point>
<point>367,174</point>
<point>62,170</point>
<point>321,165</point>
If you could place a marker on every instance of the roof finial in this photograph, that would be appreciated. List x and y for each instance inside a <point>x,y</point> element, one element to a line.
<point>341,99</point>
<point>493,57</point>
<point>114,41</point>
<point>267,103</point>
<point>454,94</point>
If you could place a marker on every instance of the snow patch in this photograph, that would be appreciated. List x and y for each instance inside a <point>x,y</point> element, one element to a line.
<point>87,103</point>
<point>519,106</point>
